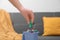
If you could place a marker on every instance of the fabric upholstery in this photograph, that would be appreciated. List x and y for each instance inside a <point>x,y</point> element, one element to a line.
<point>6,28</point>
<point>51,25</point>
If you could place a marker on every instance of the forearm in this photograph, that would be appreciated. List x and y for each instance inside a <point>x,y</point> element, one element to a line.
<point>17,4</point>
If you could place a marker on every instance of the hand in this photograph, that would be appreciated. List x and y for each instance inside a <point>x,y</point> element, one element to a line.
<point>28,15</point>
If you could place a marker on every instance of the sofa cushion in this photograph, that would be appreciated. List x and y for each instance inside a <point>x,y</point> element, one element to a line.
<point>51,25</point>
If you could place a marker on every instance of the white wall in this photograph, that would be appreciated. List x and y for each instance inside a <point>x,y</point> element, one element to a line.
<point>35,5</point>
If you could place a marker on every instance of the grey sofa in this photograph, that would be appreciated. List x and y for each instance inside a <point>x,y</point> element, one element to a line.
<point>19,23</point>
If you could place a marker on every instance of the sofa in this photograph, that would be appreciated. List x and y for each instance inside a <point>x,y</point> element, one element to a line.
<point>19,23</point>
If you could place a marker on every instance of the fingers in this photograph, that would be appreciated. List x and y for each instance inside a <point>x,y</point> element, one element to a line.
<point>27,19</point>
<point>28,15</point>
<point>31,17</point>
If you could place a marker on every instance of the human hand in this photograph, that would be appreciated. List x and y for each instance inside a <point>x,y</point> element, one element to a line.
<point>28,15</point>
